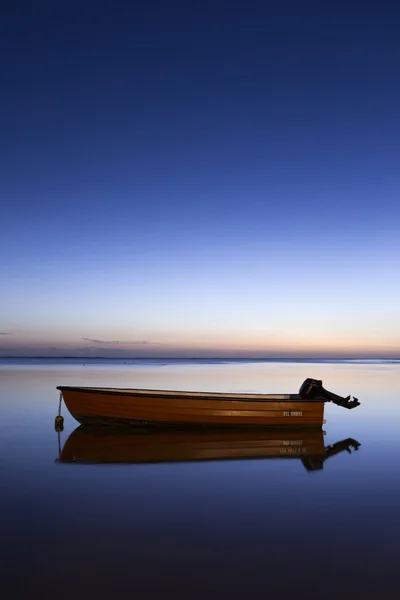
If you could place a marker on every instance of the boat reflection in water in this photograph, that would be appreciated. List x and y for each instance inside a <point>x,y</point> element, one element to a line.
<point>93,445</point>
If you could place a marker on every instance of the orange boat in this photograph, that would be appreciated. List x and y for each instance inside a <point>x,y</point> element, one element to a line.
<point>145,407</point>
<point>111,445</point>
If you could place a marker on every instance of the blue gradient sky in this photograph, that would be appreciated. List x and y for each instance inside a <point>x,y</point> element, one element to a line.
<point>200,179</point>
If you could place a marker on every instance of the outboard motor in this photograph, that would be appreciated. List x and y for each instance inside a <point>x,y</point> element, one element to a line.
<point>312,389</point>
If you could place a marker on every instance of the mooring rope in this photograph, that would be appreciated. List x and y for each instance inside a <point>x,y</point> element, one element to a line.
<point>59,405</point>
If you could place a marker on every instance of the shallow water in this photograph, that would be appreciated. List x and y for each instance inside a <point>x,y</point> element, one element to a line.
<point>206,529</point>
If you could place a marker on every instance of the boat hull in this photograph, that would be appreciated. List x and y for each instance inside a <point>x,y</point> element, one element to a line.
<point>186,409</point>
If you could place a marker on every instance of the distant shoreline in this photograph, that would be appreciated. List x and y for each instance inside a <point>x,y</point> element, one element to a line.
<point>207,358</point>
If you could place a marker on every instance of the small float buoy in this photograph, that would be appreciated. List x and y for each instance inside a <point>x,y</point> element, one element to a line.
<point>59,423</point>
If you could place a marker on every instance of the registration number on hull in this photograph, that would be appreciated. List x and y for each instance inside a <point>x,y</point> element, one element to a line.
<point>292,413</point>
<point>300,450</point>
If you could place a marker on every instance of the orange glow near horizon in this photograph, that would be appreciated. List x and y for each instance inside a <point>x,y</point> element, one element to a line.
<point>234,347</point>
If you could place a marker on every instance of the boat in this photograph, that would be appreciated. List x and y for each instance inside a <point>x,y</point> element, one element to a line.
<point>91,444</point>
<point>147,407</point>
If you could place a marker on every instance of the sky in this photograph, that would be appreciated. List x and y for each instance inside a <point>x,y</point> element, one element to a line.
<point>200,178</point>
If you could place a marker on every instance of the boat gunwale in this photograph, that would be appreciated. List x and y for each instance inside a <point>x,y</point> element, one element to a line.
<point>191,395</point>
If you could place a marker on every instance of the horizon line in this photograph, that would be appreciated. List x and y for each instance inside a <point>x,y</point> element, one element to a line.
<point>202,357</point>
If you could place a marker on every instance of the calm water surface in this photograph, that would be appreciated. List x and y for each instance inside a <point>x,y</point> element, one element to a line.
<point>256,528</point>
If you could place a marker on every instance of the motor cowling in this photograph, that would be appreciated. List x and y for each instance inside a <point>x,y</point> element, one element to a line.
<point>311,388</point>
